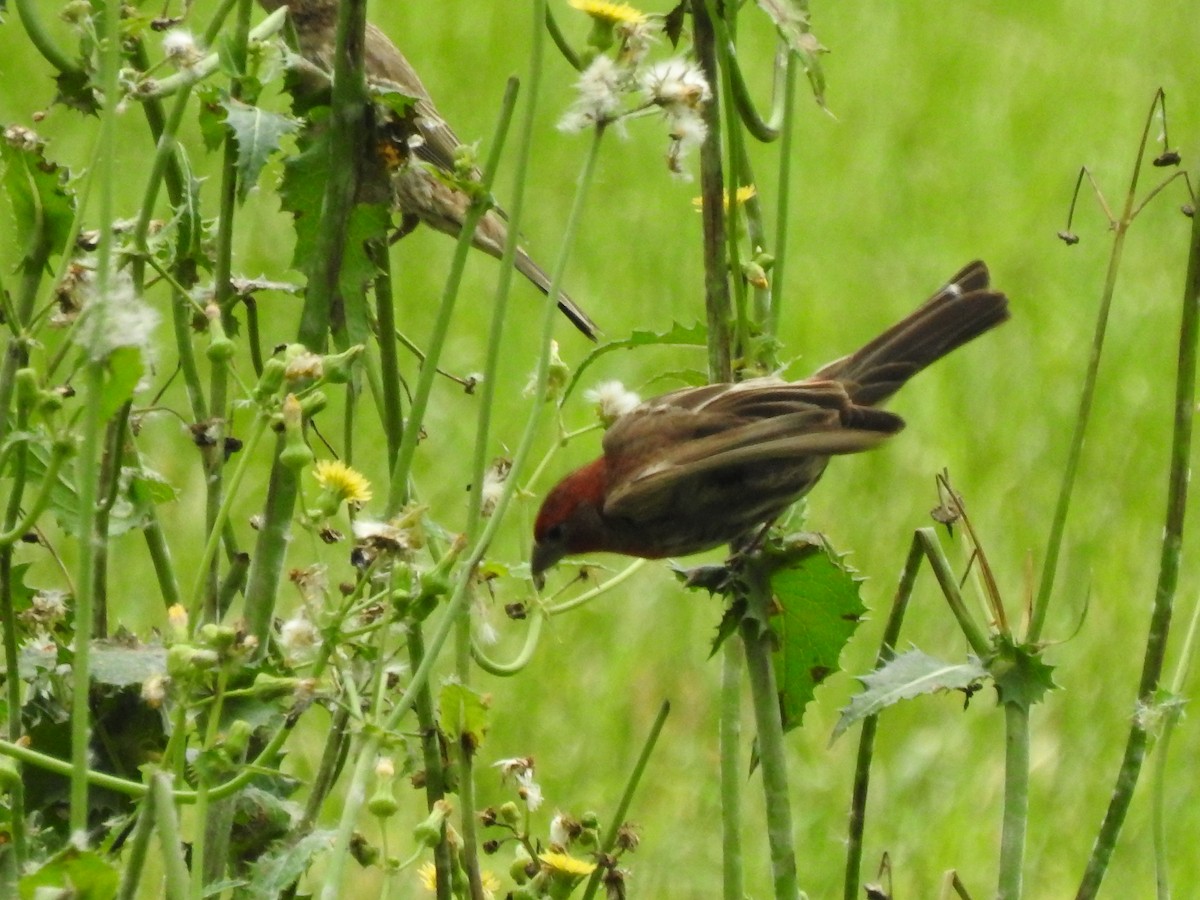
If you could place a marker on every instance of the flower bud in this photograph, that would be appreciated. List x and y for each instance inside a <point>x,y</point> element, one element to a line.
<point>429,832</point>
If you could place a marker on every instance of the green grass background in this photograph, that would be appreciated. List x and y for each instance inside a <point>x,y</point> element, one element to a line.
<point>957,130</point>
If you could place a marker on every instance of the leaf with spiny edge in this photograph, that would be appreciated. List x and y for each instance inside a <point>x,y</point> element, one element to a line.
<point>820,608</point>
<point>42,203</point>
<point>793,26</point>
<point>909,675</point>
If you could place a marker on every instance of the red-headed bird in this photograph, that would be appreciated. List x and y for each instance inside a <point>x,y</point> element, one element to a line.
<point>703,466</point>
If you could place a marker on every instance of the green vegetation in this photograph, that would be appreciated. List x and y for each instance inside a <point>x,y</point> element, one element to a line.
<point>950,132</point>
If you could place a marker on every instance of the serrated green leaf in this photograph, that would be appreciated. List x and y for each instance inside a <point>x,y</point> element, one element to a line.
<point>302,190</point>
<point>689,335</point>
<point>42,204</point>
<point>277,870</point>
<point>76,91</point>
<point>909,675</point>
<point>463,714</point>
<point>258,134</point>
<point>821,609</point>
<point>390,97</point>
<point>212,115</point>
<point>1022,678</point>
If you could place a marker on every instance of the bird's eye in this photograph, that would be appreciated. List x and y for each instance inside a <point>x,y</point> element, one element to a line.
<point>555,533</point>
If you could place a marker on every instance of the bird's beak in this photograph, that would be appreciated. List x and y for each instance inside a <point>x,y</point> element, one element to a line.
<point>542,558</point>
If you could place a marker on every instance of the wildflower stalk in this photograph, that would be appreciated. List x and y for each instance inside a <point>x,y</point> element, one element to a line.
<point>175,885</point>
<point>758,641</point>
<point>466,570</point>
<point>398,494</point>
<point>92,426</point>
<point>30,14</point>
<point>134,861</point>
<point>866,739</point>
<point>787,133</point>
<point>1172,712</point>
<point>736,152</point>
<point>733,878</point>
<point>1058,524</point>
<point>431,755</point>
<point>609,841</point>
<point>389,363</point>
<point>218,423</point>
<point>712,190</point>
<point>1168,578</point>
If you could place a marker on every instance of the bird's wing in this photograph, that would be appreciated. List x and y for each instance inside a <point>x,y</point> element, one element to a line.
<point>731,435</point>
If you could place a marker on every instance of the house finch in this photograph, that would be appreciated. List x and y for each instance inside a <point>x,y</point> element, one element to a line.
<point>428,144</point>
<point>703,466</point>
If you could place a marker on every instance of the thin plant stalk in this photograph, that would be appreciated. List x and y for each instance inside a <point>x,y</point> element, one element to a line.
<point>1143,720</point>
<point>398,494</point>
<point>92,428</point>
<point>866,739</point>
<point>609,841</point>
<point>1058,524</point>
<point>732,869</point>
<point>764,693</point>
<point>458,597</point>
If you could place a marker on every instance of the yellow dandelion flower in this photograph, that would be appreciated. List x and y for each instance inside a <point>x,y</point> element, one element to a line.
<point>342,481</point>
<point>427,873</point>
<point>565,864</point>
<point>616,13</point>
<point>744,193</point>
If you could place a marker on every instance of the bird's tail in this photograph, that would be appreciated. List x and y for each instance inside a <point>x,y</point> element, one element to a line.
<point>961,311</point>
<point>526,266</point>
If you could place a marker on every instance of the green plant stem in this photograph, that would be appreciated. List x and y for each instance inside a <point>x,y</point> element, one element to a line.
<point>92,427</point>
<point>732,875</point>
<point>389,362</point>
<point>738,97</point>
<point>30,15</point>
<point>332,759</point>
<point>398,493</point>
<point>270,548</point>
<point>175,869</point>
<point>1083,416</point>
<point>712,189</point>
<point>1172,713</point>
<point>1016,800</point>
<point>723,46</point>
<point>431,755</point>
<point>222,515</point>
<point>635,777</point>
<point>758,642</point>
<point>561,42</point>
<point>458,597</point>
<point>506,670</point>
<point>975,635</point>
<point>134,861</point>
<point>1168,578</point>
<point>782,216</point>
<point>866,740</point>
<point>599,590</point>
<point>348,136</point>
<point>12,692</point>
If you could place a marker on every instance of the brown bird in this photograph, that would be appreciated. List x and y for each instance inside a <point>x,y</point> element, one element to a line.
<point>704,466</point>
<point>426,140</point>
